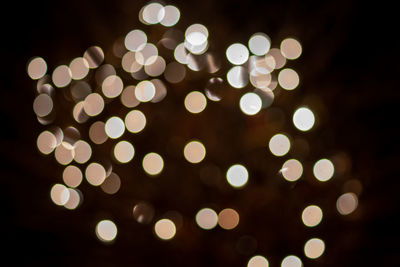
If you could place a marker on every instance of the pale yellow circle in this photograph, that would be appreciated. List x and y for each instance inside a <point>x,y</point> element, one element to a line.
<point>153,163</point>
<point>194,152</point>
<point>311,216</point>
<point>195,102</point>
<point>165,229</point>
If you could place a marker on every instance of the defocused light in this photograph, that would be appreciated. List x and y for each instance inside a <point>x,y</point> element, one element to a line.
<point>314,248</point>
<point>46,142</point>
<point>80,90</point>
<point>347,203</point>
<point>106,230</point>
<point>291,48</point>
<point>128,98</point>
<point>194,151</point>
<point>112,86</point>
<point>250,103</point>
<point>323,170</point>
<point>280,60</point>
<point>206,218</point>
<point>59,194</point>
<point>237,77</point>
<point>156,68</point>
<point>291,261</point>
<point>311,216</point>
<point>64,153</point>
<point>171,16</point>
<point>135,40</point>
<point>214,89</point>
<point>135,121</point>
<point>114,127</point>
<point>147,55</point>
<point>37,68</point>
<point>196,34</point>
<point>195,102</point>
<point>175,72</point>
<point>129,63</point>
<point>258,261</point>
<point>72,176</point>
<point>95,174</point>
<point>259,44</point>
<point>288,79</point>
<point>124,151</point>
<point>61,76</point>
<point>237,175</point>
<point>94,104</point>
<point>79,113</point>
<point>83,151</point>
<point>279,145</point>
<point>73,200</point>
<point>153,13</point>
<point>303,119</point>
<point>180,53</point>
<point>228,219</point>
<point>161,90</point>
<point>237,54</point>
<point>165,229</point>
<point>94,56</point>
<point>153,163</point>
<point>145,91</point>
<point>97,132</point>
<point>111,184</point>
<point>79,68</point>
<point>143,212</point>
<point>292,170</point>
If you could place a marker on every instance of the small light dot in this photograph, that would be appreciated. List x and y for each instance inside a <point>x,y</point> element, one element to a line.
<point>194,152</point>
<point>37,68</point>
<point>114,127</point>
<point>237,175</point>
<point>323,170</point>
<point>250,104</point>
<point>347,203</point>
<point>153,163</point>
<point>165,229</point>
<point>311,216</point>
<point>314,248</point>
<point>195,102</point>
<point>237,54</point>
<point>303,119</point>
<point>206,218</point>
<point>106,230</point>
<point>279,145</point>
<point>124,151</point>
<point>258,261</point>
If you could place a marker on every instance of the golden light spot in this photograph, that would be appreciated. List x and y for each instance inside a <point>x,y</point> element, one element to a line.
<point>112,86</point>
<point>128,98</point>
<point>106,230</point>
<point>323,170</point>
<point>72,176</point>
<point>59,194</point>
<point>79,68</point>
<point>61,76</point>
<point>94,104</point>
<point>250,104</point>
<point>206,218</point>
<point>303,119</point>
<point>194,152</point>
<point>314,248</point>
<point>64,153</point>
<point>124,151</point>
<point>46,142</point>
<point>165,229</point>
<point>153,163</point>
<point>95,174</point>
<point>347,203</point>
<point>291,48</point>
<point>258,261</point>
<point>37,68</point>
<point>288,79</point>
<point>228,219</point>
<point>114,127</point>
<point>291,261</point>
<point>237,54</point>
<point>83,151</point>
<point>311,216</point>
<point>135,121</point>
<point>74,199</point>
<point>237,175</point>
<point>279,145</point>
<point>97,132</point>
<point>111,184</point>
<point>292,170</point>
<point>145,91</point>
<point>195,102</point>
<point>259,44</point>
<point>94,56</point>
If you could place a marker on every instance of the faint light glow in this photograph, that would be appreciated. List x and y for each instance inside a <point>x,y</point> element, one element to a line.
<point>156,68</point>
<point>93,105</point>
<point>135,121</point>
<point>314,248</point>
<point>73,200</point>
<point>106,230</point>
<point>250,103</point>
<point>147,55</point>
<point>175,72</point>
<point>260,80</point>
<point>46,142</point>
<point>312,216</point>
<point>83,151</point>
<point>128,98</point>
<point>112,86</point>
<point>347,203</point>
<point>165,229</point>
<point>143,212</point>
<point>61,76</point>
<point>228,219</point>
<point>323,170</point>
<point>258,261</point>
<point>195,102</point>
<point>291,261</point>
<point>237,175</point>
<point>279,145</point>
<point>280,60</point>
<point>103,72</point>
<point>135,40</point>
<point>214,89</point>
<point>94,56</point>
<point>153,163</point>
<point>79,68</point>
<point>64,154</point>
<point>153,13</point>
<point>237,54</point>
<point>259,44</point>
<point>194,151</point>
<point>80,90</point>
<point>124,151</point>
<point>111,184</point>
<point>145,91</point>
<point>79,113</point>
<point>292,170</point>
<point>171,16</point>
<point>37,68</point>
<point>206,218</point>
<point>237,77</point>
<point>97,133</point>
<point>303,119</point>
<point>267,96</point>
<point>59,194</point>
<point>72,176</point>
<point>161,90</point>
<point>95,174</point>
<point>180,53</point>
<point>114,127</point>
<point>288,79</point>
<point>291,48</point>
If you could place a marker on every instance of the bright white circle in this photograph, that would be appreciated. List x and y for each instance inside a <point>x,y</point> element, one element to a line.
<point>237,175</point>
<point>250,103</point>
<point>114,127</point>
<point>303,119</point>
<point>259,44</point>
<point>237,54</point>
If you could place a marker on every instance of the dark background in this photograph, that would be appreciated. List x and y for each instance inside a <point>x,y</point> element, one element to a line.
<point>349,60</point>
